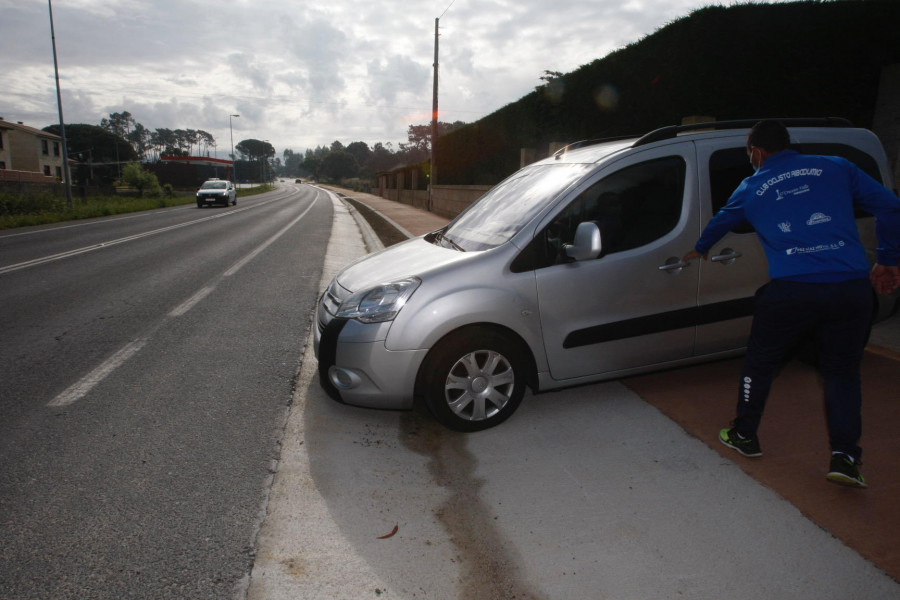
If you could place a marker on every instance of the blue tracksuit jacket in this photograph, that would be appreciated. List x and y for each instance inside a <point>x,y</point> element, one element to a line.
<point>802,207</point>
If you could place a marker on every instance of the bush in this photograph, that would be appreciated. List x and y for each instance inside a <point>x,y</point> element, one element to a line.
<point>21,211</point>
<point>143,181</point>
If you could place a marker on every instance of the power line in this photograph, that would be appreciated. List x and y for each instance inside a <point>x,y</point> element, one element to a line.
<point>446,9</point>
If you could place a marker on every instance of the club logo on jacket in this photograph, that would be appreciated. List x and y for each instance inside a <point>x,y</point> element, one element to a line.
<point>818,218</point>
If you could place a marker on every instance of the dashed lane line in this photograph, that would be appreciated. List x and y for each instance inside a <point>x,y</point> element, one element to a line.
<point>91,380</point>
<point>101,245</point>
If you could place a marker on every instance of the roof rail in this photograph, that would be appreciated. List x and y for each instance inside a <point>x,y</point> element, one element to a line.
<point>583,143</point>
<point>665,133</point>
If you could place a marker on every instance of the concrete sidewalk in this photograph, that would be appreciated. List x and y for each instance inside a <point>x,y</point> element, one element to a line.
<point>411,221</point>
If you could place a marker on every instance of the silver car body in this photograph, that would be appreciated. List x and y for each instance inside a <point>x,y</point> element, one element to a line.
<point>631,311</point>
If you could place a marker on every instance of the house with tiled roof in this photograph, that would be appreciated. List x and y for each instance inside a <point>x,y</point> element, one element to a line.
<point>29,154</point>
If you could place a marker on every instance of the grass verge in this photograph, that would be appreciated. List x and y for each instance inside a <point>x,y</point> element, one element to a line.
<point>24,211</point>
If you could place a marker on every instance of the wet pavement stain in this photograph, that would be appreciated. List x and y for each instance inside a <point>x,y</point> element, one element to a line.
<point>488,564</point>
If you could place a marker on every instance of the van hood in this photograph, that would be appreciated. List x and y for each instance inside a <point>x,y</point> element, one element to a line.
<point>412,257</point>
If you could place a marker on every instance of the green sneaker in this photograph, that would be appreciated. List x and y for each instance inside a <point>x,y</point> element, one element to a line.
<point>749,447</point>
<point>844,471</point>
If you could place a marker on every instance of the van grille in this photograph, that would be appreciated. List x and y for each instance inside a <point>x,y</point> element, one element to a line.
<point>329,304</point>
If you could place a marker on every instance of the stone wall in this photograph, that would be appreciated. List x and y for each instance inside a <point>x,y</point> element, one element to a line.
<point>26,176</point>
<point>450,200</point>
<point>48,186</point>
<point>446,200</point>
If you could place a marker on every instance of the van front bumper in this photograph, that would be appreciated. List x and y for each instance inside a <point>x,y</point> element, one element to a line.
<point>364,373</point>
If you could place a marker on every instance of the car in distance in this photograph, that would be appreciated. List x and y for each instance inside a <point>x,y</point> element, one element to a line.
<point>298,181</point>
<point>216,191</point>
<point>568,272</point>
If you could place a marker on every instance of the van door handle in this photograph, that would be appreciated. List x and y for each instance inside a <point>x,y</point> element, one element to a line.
<point>673,264</point>
<point>727,256</point>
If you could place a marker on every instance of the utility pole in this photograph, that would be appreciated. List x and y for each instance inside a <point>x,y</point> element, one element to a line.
<point>62,124</point>
<point>434,117</point>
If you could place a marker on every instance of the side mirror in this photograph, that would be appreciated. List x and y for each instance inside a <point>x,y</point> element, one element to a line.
<point>587,244</point>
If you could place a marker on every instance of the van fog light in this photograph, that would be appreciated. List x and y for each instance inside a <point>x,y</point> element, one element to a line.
<point>343,379</point>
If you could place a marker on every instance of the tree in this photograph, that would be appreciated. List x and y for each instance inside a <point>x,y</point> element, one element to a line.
<point>139,138</point>
<point>312,165</point>
<point>292,162</point>
<point>339,165</point>
<point>382,156</point>
<point>165,142</point>
<point>256,154</point>
<point>360,151</point>
<point>419,137</point>
<point>255,149</point>
<point>184,140</point>
<point>97,150</point>
<point>143,181</point>
<point>207,140</point>
<point>118,123</point>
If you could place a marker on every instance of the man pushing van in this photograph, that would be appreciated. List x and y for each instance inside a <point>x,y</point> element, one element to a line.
<point>802,208</point>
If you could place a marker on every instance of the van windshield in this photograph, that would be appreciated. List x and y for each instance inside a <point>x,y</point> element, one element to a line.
<point>510,205</point>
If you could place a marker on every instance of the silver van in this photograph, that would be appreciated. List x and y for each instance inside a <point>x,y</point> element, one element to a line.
<point>567,272</point>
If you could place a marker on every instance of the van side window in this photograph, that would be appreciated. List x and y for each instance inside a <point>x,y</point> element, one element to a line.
<point>862,160</point>
<point>633,207</point>
<point>727,169</point>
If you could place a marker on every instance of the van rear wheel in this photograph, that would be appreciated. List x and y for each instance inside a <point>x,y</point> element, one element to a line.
<point>474,379</point>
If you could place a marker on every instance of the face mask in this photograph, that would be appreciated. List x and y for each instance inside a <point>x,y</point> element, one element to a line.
<point>755,168</point>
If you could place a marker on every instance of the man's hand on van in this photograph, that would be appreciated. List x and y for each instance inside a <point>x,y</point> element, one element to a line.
<point>885,279</point>
<point>692,255</point>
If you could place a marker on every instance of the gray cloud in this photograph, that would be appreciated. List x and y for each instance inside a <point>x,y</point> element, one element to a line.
<point>301,74</point>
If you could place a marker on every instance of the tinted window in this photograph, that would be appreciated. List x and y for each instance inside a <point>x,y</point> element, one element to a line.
<point>633,207</point>
<point>854,155</point>
<point>727,169</point>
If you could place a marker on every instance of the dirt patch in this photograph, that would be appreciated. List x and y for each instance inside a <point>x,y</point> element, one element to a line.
<point>387,233</point>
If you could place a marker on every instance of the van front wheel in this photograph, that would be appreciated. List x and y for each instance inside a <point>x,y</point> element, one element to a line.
<point>474,379</point>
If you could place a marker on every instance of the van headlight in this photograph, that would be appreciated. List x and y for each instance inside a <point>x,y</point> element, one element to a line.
<point>380,303</point>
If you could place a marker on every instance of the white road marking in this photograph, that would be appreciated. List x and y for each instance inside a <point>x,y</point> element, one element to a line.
<point>89,381</point>
<point>188,304</point>
<point>240,264</point>
<point>51,229</point>
<point>116,242</point>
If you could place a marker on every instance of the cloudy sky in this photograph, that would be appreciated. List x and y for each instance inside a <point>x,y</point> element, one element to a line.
<point>301,73</point>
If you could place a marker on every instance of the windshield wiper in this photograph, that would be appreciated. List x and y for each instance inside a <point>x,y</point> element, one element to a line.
<point>440,237</point>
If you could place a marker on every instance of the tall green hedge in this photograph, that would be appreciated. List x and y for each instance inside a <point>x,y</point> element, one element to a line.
<point>800,59</point>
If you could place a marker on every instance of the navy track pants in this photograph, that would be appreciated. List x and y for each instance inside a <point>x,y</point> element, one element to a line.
<point>837,316</point>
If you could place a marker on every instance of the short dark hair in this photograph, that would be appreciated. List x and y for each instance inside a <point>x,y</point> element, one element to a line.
<point>769,135</point>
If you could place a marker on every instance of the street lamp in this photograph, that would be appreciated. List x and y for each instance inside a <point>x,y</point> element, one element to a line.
<point>67,173</point>
<point>233,161</point>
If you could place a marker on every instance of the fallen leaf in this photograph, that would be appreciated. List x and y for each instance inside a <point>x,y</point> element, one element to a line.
<point>391,534</point>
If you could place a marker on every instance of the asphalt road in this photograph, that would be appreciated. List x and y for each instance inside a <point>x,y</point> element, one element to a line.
<point>147,365</point>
